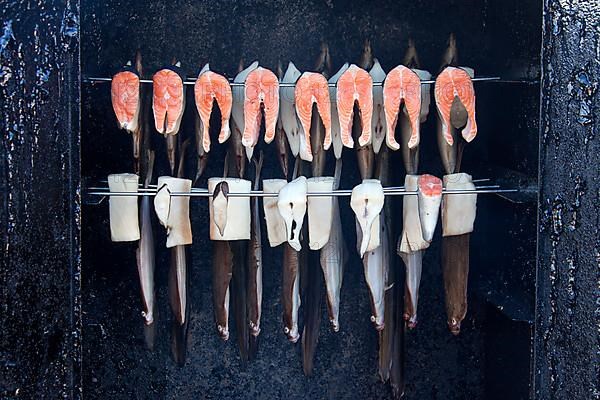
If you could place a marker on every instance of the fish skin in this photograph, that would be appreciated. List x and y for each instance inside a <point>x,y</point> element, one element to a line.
<point>202,154</point>
<point>374,263</point>
<point>355,85</point>
<point>378,122</point>
<point>455,267</point>
<point>210,87</point>
<point>255,263</point>
<point>222,270</point>
<point>291,292</point>
<point>281,145</point>
<point>168,101</point>
<point>335,119</point>
<point>333,257</point>
<point>261,88</point>
<point>237,109</point>
<point>287,111</point>
<point>126,101</point>
<point>178,300</point>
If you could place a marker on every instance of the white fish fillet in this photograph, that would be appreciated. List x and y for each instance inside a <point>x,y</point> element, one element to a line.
<point>177,222</point>
<point>276,232</point>
<point>458,210</point>
<point>238,210</point>
<point>123,210</point>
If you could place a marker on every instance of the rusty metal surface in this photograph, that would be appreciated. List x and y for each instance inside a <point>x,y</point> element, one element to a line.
<point>40,214</point>
<point>568,272</point>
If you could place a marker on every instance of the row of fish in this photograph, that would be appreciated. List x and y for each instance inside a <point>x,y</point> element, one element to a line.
<point>290,107</point>
<point>300,116</point>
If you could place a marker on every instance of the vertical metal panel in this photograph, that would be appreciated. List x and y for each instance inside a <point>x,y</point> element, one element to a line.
<point>568,277</point>
<point>40,213</point>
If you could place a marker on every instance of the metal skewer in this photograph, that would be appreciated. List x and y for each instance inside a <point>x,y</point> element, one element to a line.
<point>282,84</point>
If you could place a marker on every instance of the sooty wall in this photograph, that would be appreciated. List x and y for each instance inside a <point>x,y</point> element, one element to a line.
<point>496,38</point>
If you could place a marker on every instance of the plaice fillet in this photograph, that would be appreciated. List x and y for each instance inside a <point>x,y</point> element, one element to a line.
<point>168,101</point>
<point>237,213</point>
<point>367,202</point>
<point>291,203</point>
<point>287,110</point>
<point>355,85</point>
<point>125,95</point>
<point>402,86</point>
<point>261,88</point>
<point>455,83</point>
<point>123,210</point>
<point>378,123</point>
<point>320,212</point>
<point>429,196</point>
<point>412,236</point>
<point>237,108</point>
<point>173,211</point>
<point>210,87</point>
<point>275,224</point>
<point>312,88</point>
<point>458,210</point>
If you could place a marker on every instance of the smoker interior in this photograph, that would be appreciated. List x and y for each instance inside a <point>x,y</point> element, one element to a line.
<point>491,357</point>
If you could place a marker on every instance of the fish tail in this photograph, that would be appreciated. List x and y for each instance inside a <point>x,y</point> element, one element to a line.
<point>312,310</point>
<point>239,297</point>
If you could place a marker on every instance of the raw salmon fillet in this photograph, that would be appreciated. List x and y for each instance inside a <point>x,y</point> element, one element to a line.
<point>402,85</point>
<point>450,84</point>
<point>355,85</point>
<point>125,94</point>
<point>261,88</point>
<point>208,88</point>
<point>168,101</point>
<point>312,88</point>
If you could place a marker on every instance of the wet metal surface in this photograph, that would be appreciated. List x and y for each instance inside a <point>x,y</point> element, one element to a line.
<point>568,272</point>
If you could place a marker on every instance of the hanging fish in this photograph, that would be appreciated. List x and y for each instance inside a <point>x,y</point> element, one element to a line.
<point>125,95</point>
<point>281,141</point>
<point>255,262</point>
<point>168,104</point>
<point>355,85</point>
<point>211,87</point>
<point>378,124</point>
<point>455,102</point>
<point>145,259</point>
<point>261,90</point>
<point>237,122</point>
<point>201,153</point>
<point>287,111</point>
<point>364,152</point>
<point>222,270</point>
<point>336,137</point>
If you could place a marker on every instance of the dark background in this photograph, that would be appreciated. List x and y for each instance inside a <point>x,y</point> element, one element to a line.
<point>490,358</point>
<point>41,219</point>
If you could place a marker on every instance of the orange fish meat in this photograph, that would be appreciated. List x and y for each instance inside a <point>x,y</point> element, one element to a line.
<point>454,83</point>
<point>311,88</point>
<point>168,101</point>
<point>402,85</point>
<point>209,87</point>
<point>125,94</point>
<point>355,85</point>
<point>260,88</point>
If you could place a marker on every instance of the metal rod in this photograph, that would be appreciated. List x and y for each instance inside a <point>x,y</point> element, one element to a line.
<point>336,193</point>
<point>282,84</point>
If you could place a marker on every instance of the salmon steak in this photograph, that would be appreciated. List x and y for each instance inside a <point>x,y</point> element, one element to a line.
<point>211,87</point>
<point>125,94</point>
<point>312,88</point>
<point>261,89</point>
<point>168,101</point>
<point>402,86</point>
<point>455,83</point>
<point>355,85</point>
